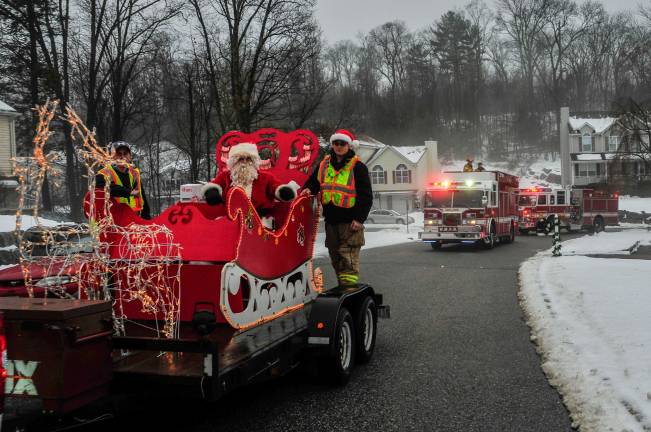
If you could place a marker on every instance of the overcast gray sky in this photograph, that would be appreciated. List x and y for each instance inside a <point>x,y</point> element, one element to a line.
<point>343,19</point>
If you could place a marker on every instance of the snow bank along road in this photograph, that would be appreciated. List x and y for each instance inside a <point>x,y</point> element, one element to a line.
<point>591,319</point>
<point>455,356</point>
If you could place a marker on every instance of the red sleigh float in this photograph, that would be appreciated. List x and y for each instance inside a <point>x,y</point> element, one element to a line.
<point>230,261</point>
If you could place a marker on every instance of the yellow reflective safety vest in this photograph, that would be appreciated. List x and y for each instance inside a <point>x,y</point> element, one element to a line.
<point>338,187</point>
<point>135,202</point>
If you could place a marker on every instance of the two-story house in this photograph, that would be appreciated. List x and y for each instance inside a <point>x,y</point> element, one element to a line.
<point>8,183</point>
<point>599,150</point>
<point>398,174</point>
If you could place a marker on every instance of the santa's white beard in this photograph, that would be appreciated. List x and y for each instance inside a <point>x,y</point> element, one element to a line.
<point>243,174</point>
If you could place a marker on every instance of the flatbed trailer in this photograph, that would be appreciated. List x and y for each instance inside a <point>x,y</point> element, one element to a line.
<point>335,331</point>
<point>231,300</point>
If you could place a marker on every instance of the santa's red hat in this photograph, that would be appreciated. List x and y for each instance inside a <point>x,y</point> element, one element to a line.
<point>346,136</point>
<point>243,149</point>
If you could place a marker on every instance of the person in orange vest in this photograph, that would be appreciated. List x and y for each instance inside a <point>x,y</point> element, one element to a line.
<point>345,192</point>
<point>124,178</point>
<point>468,166</point>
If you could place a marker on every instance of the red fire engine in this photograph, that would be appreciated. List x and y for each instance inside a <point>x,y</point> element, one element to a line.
<point>577,208</point>
<point>471,207</point>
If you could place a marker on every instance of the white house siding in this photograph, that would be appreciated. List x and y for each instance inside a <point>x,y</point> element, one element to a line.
<point>6,145</point>
<point>398,196</point>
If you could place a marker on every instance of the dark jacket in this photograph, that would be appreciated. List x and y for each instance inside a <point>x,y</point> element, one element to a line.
<point>363,201</point>
<point>124,191</point>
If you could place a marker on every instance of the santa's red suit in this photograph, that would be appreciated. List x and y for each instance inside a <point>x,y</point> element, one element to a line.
<point>263,190</point>
<point>262,187</point>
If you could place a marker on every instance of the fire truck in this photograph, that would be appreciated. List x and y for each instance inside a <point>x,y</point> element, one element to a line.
<point>577,208</point>
<point>471,207</point>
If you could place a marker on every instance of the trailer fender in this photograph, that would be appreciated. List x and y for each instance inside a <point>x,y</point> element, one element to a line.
<point>323,315</point>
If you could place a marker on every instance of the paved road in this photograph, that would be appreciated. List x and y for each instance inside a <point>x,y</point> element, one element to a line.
<point>455,356</point>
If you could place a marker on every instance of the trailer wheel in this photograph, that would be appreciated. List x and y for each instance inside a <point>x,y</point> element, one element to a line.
<point>366,327</point>
<point>598,224</point>
<point>338,366</point>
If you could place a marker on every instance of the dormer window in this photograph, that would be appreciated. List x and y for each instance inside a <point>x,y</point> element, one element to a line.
<point>586,143</point>
<point>402,174</point>
<point>378,175</point>
<point>613,143</point>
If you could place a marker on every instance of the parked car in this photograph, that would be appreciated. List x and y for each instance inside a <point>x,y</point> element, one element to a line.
<point>381,216</point>
<point>50,268</point>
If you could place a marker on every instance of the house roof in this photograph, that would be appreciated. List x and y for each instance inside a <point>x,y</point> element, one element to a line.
<point>413,154</point>
<point>598,124</point>
<point>4,108</point>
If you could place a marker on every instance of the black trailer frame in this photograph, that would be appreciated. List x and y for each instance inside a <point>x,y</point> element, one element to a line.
<point>212,365</point>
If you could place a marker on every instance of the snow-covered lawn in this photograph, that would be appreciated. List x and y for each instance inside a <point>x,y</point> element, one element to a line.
<point>8,222</point>
<point>606,243</point>
<point>386,235</point>
<point>591,319</point>
<point>635,204</point>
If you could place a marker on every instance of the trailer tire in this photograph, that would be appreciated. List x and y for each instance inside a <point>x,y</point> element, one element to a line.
<point>598,224</point>
<point>366,327</point>
<point>338,366</point>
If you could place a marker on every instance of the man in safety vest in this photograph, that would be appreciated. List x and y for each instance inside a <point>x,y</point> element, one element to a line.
<point>124,178</point>
<point>346,195</point>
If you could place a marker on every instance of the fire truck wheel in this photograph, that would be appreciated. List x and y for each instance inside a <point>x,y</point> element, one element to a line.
<point>366,327</point>
<point>338,366</point>
<point>436,245</point>
<point>598,224</point>
<point>489,240</point>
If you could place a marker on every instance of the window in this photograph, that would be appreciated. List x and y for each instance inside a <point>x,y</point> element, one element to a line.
<point>378,175</point>
<point>588,170</point>
<point>542,200</point>
<point>402,174</point>
<point>560,197</point>
<point>586,143</point>
<point>613,143</point>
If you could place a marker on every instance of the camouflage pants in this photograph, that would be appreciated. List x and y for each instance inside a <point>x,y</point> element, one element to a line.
<point>344,245</point>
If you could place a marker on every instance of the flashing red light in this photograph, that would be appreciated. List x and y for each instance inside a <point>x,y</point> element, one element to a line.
<point>616,195</point>
<point>526,212</point>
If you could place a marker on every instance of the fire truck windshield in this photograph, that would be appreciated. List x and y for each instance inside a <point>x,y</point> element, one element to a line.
<point>527,201</point>
<point>454,198</point>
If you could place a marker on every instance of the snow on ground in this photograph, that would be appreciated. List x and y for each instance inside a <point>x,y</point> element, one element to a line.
<point>590,318</point>
<point>8,222</point>
<point>635,204</point>
<point>606,243</point>
<point>387,234</point>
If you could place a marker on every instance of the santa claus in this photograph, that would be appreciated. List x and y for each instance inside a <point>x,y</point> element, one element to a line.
<point>262,187</point>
